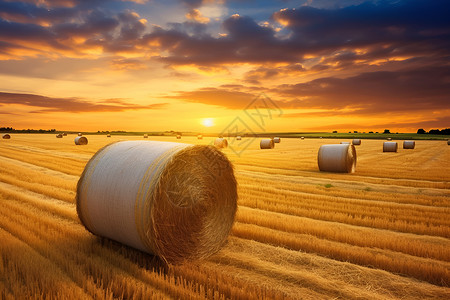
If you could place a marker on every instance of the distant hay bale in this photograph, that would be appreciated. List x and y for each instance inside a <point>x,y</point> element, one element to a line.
<point>267,144</point>
<point>173,200</point>
<point>200,137</point>
<point>448,142</point>
<point>302,138</point>
<point>59,136</point>
<point>108,135</point>
<point>337,158</point>
<point>145,136</point>
<point>409,144</point>
<point>345,143</point>
<point>390,147</point>
<point>81,140</point>
<point>178,136</point>
<point>64,134</point>
<point>238,138</point>
<point>356,142</point>
<point>80,134</point>
<point>221,143</point>
<point>6,136</point>
<point>276,140</point>
<point>389,139</point>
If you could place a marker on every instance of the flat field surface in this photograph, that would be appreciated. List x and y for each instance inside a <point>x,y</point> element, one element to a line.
<point>380,233</point>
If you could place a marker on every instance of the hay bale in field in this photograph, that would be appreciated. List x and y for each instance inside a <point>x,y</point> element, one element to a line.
<point>390,147</point>
<point>145,136</point>
<point>345,143</point>
<point>302,138</point>
<point>448,142</point>
<point>337,158</point>
<point>178,136</point>
<point>221,143</point>
<point>108,135</point>
<point>238,138</point>
<point>266,144</point>
<point>80,134</point>
<point>59,136</point>
<point>6,136</point>
<point>356,142</point>
<point>81,140</point>
<point>174,200</point>
<point>276,140</point>
<point>200,137</point>
<point>64,134</point>
<point>389,139</point>
<point>409,144</point>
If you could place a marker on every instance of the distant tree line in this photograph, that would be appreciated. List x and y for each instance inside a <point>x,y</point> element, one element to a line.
<point>434,131</point>
<point>10,129</point>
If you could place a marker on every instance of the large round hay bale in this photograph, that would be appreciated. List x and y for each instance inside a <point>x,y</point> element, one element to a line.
<point>59,136</point>
<point>145,136</point>
<point>200,137</point>
<point>6,136</point>
<point>64,134</point>
<point>302,138</point>
<point>81,140</point>
<point>356,142</point>
<point>276,140</point>
<point>448,142</point>
<point>221,143</point>
<point>174,200</point>
<point>238,138</point>
<point>80,134</point>
<point>337,158</point>
<point>108,135</point>
<point>267,144</point>
<point>390,147</point>
<point>409,144</point>
<point>389,139</point>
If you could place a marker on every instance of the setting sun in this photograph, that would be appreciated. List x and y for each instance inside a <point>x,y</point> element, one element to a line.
<point>208,122</point>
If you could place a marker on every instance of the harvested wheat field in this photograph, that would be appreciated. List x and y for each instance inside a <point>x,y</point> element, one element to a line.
<point>382,232</point>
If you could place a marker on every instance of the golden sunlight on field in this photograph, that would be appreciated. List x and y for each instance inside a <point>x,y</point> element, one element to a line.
<point>382,232</point>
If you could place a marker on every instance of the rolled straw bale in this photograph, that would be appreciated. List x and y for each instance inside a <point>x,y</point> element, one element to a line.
<point>389,139</point>
<point>221,143</point>
<point>337,158</point>
<point>390,147</point>
<point>238,138</point>
<point>409,144</point>
<point>356,142</point>
<point>81,140</point>
<point>108,135</point>
<point>145,136</point>
<point>267,144</point>
<point>200,137</point>
<point>80,134</point>
<point>178,136</point>
<point>345,143</point>
<point>6,136</point>
<point>448,142</point>
<point>64,134</point>
<point>276,140</point>
<point>177,201</point>
<point>302,138</point>
<point>59,136</point>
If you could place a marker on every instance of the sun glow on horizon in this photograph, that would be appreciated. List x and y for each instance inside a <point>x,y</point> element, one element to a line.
<point>208,122</point>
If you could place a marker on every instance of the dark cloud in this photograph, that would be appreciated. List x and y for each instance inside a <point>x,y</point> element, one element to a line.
<point>75,105</point>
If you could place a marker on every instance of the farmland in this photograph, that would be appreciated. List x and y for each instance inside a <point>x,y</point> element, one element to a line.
<point>380,233</point>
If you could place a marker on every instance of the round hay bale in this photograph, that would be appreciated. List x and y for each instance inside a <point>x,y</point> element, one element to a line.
<point>409,144</point>
<point>145,136</point>
<point>80,134</point>
<point>81,140</point>
<point>200,137</point>
<point>448,142</point>
<point>108,135</point>
<point>276,140</point>
<point>221,143</point>
<point>173,200</point>
<point>178,136</point>
<point>238,138</point>
<point>390,147</point>
<point>64,134</point>
<point>345,143</point>
<point>337,158</point>
<point>266,144</point>
<point>6,136</point>
<point>389,139</point>
<point>356,142</point>
<point>59,136</point>
<point>302,138</point>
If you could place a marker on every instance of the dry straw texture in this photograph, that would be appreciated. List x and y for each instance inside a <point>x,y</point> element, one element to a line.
<point>356,142</point>
<point>390,147</point>
<point>6,136</point>
<point>221,143</point>
<point>409,144</point>
<point>337,158</point>
<point>81,140</point>
<point>276,140</point>
<point>266,144</point>
<point>176,201</point>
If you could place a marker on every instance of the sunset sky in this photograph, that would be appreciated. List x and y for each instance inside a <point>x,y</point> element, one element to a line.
<point>212,65</point>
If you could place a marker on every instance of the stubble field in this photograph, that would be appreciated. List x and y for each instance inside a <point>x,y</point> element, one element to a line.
<point>380,233</point>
